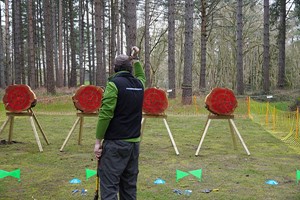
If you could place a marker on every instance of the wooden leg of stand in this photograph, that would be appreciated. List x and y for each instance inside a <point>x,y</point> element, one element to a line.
<point>4,124</point>
<point>240,137</point>
<point>40,127</point>
<point>11,128</point>
<point>171,137</point>
<point>232,135</point>
<point>70,133</point>
<point>143,126</point>
<point>36,134</point>
<point>80,130</point>
<point>203,136</point>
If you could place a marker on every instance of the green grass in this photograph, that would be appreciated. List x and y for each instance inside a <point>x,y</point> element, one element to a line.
<point>46,175</point>
<point>284,106</point>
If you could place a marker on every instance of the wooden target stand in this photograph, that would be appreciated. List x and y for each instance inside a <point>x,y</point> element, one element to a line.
<point>79,120</point>
<point>164,118</point>
<point>87,101</point>
<point>10,119</point>
<point>233,130</point>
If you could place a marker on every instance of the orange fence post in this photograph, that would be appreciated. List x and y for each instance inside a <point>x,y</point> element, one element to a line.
<point>248,106</point>
<point>267,114</point>
<point>274,118</point>
<point>195,103</point>
<point>297,124</point>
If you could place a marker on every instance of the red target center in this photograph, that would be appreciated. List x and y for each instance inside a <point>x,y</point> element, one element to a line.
<point>19,98</point>
<point>221,101</point>
<point>88,98</point>
<point>155,101</point>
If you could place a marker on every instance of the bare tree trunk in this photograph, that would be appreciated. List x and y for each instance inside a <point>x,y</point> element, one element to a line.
<point>239,73</point>
<point>2,68</point>
<point>17,35</point>
<point>100,70</point>
<point>8,69</point>
<point>38,48</point>
<point>81,43</point>
<point>281,44</point>
<point>130,23</point>
<point>147,45</point>
<point>66,49</point>
<point>93,44</point>
<point>122,26</point>
<point>73,78</point>
<point>65,45</point>
<point>31,47</point>
<point>88,42</point>
<point>180,58</point>
<point>105,35</point>
<point>114,14</point>
<point>22,56</point>
<point>20,43</point>
<point>202,82</point>
<point>119,29</point>
<point>187,92</point>
<point>49,47</point>
<point>54,33</point>
<point>43,72</point>
<point>59,76</point>
<point>171,48</point>
<point>266,61</point>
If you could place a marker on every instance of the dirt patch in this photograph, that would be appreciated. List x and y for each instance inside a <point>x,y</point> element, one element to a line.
<point>4,142</point>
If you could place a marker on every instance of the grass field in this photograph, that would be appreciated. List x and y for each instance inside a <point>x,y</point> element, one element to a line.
<point>236,175</point>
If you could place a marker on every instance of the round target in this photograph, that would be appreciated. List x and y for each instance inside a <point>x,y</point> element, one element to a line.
<point>19,98</point>
<point>88,98</point>
<point>221,101</point>
<point>155,101</point>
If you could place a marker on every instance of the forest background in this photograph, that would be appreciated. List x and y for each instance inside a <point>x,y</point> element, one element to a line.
<point>187,47</point>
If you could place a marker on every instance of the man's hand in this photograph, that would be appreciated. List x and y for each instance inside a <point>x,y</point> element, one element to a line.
<point>134,52</point>
<point>98,149</point>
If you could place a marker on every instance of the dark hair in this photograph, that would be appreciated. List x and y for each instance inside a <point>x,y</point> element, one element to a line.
<point>123,67</point>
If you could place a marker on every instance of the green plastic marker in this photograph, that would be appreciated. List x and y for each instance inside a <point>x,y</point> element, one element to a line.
<point>15,174</point>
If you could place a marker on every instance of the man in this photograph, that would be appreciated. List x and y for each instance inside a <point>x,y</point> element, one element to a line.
<point>119,126</point>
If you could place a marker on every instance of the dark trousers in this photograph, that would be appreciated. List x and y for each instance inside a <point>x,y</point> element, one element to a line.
<point>118,170</point>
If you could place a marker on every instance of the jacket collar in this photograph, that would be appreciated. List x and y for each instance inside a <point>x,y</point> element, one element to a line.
<point>120,73</point>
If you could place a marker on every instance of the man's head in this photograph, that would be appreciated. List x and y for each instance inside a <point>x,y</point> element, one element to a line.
<point>123,63</point>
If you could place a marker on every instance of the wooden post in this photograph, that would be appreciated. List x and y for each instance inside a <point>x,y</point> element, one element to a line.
<point>11,127</point>
<point>39,126</point>
<point>70,133</point>
<point>4,124</point>
<point>36,134</point>
<point>80,129</point>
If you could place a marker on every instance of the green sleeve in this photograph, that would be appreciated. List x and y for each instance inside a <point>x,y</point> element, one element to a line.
<point>108,106</point>
<point>139,72</point>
